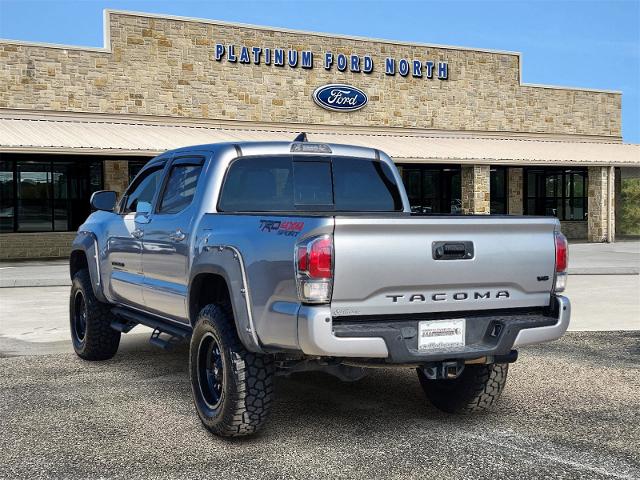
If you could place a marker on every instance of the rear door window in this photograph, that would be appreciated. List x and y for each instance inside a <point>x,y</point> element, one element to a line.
<point>181,186</point>
<point>297,183</point>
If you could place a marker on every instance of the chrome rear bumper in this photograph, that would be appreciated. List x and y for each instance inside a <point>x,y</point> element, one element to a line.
<point>318,336</point>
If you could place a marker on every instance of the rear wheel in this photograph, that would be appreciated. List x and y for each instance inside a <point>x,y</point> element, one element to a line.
<point>232,387</point>
<point>476,389</point>
<point>90,321</point>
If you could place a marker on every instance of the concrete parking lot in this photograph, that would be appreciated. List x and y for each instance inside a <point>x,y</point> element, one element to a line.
<point>570,408</point>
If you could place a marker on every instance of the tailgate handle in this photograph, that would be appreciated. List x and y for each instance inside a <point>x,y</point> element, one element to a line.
<point>462,250</point>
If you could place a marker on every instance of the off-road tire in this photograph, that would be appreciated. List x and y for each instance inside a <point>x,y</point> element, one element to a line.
<point>246,385</point>
<point>475,390</point>
<point>98,341</point>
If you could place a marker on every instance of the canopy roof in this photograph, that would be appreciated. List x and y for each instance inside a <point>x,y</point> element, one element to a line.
<point>84,134</point>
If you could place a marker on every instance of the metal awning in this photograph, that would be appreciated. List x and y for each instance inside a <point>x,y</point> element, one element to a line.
<point>92,135</point>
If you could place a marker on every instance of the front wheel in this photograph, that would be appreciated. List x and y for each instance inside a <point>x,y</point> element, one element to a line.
<point>476,389</point>
<point>90,321</point>
<point>232,387</point>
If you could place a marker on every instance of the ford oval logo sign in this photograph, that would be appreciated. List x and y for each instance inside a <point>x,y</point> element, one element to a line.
<point>340,98</point>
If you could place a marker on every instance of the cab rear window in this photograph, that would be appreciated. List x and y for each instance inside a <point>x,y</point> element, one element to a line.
<point>292,183</point>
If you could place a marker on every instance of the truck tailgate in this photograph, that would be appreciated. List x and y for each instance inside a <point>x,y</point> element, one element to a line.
<point>388,266</point>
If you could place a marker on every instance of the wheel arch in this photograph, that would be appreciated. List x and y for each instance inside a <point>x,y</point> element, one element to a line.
<point>217,278</point>
<point>84,254</point>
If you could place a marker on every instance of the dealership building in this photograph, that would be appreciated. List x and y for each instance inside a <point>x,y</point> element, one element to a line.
<point>468,135</point>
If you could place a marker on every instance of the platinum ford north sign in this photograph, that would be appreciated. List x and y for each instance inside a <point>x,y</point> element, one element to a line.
<point>305,59</point>
<point>340,98</point>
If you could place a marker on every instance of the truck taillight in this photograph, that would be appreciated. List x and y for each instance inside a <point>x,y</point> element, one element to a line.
<point>314,269</point>
<point>562,262</point>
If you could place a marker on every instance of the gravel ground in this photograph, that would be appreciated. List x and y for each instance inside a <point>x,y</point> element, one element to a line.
<point>570,410</point>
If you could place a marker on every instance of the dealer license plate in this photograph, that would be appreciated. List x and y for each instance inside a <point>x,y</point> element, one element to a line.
<point>441,334</point>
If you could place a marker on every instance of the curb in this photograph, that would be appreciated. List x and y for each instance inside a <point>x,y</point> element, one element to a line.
<point>22,283</point>
<point>605,271</point>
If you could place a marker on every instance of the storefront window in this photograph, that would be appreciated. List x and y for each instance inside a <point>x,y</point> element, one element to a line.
<point>34,197</point>
<point>555,191</point>
<point>498,190</point>
<point>44,193</point>
<point>432,188</point>
<point>7,203</point>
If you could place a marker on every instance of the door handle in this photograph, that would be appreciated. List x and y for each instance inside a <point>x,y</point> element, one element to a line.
<point>177,236</point>
<point>137,233</point>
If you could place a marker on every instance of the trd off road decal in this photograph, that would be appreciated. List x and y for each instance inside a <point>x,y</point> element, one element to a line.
<point>287,228</point>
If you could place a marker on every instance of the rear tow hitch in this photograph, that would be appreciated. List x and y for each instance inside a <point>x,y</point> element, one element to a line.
<point>443,370</point>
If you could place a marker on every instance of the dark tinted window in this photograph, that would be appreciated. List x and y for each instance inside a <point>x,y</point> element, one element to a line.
<point>498,190</point>
<point>143,189</point>
<point>35,212</point>
<point>313,183</point>
<point>258,184</point>
<point>180,189</point>
<point>559,192</point>
<point>364,185</point>
<point>7,202</point>
<point>288,183</point>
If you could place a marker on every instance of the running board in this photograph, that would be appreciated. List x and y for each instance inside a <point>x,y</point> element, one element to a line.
<point>176,333</point>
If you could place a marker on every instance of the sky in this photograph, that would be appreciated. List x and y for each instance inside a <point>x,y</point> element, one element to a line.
<point>577,43</point>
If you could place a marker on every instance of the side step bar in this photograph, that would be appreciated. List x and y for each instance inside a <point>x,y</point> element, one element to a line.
<point>176,333</point>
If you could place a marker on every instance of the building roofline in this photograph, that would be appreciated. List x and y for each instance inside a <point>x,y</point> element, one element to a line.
<point>106,48</point>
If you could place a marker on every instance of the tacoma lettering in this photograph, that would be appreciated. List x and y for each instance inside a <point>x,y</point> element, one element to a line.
<point>458,296</point>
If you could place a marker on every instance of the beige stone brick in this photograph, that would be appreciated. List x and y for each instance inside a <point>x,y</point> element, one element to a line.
<point>152,56</point>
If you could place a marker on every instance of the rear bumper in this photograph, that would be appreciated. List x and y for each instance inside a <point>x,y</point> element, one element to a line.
<point>395,340</point>
<point>531,336</point>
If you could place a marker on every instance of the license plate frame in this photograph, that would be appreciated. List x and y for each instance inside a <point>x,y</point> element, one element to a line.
<point>438,335</point>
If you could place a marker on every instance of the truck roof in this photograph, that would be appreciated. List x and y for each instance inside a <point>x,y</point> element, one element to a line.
<point>281,148</point>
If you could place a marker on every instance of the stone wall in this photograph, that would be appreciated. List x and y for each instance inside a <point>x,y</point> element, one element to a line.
<point>167,67</point>
<point>475,189</point>
<point>574,229</point>
<point>17,246</point>
<point>515,188</point>
<point>116,175</point>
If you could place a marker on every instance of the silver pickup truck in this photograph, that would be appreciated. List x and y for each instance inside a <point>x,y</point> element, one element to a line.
<point>282,257</point>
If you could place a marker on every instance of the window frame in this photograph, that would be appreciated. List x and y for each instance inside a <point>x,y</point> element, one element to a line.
<point>183,160</point>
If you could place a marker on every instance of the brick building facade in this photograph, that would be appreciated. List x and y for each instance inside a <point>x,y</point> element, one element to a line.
<point>219,81</point>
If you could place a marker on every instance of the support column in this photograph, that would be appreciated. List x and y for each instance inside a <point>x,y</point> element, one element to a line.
<point>601,216</point>
<point>516,188</point>
<point>475,189</point>
<point>116,175</point>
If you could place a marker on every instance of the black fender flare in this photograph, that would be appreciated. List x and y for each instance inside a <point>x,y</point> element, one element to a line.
<point>226,261</point>
<point>87,243</point>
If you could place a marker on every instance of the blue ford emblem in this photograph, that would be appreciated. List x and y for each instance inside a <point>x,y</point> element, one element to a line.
<point>340,98</point>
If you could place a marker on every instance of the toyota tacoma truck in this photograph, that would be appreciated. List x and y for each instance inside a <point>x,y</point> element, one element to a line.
<point>281,257</point>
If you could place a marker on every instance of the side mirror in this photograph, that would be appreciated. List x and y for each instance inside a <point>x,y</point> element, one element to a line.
<point>103,200</point>
<point>143,208</point>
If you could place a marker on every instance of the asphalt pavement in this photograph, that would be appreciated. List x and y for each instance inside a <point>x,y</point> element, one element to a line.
<point>569,410</point>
